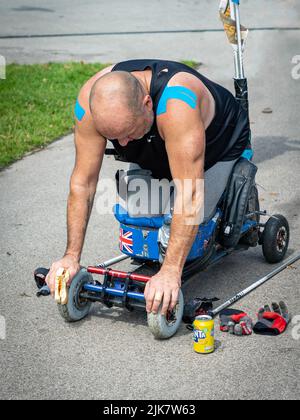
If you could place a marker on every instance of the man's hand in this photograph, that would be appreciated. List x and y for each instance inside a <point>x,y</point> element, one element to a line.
<point>69,263</point>
<point>163,287</point>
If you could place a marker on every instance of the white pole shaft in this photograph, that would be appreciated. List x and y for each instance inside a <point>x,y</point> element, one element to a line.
<point>113,261</point>
<point>254,286</point>
<point>239,53</point>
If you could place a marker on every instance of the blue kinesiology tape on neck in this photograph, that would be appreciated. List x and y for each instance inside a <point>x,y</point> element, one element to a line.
<point>176,92</point>
<point>79,111</point>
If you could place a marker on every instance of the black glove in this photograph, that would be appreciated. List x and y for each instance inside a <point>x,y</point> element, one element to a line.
<point>40,275</point>
<point>196,307</point>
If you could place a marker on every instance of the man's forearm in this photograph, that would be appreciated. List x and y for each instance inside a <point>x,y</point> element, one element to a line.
<point>181,241</point>
<point>188,214</point>
<point>80,203</point>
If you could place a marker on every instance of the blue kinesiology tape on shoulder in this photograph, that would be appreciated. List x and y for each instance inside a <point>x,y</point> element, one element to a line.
<point>176,92</point>
<point>79,111</point>
<point>248,154</point>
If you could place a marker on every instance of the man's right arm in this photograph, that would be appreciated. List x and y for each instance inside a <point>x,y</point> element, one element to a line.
<point>90,147</point>
<point>83,184</point>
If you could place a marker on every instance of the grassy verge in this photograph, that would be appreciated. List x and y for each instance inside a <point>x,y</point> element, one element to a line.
<point>36,105</point>
<point>194,64</point>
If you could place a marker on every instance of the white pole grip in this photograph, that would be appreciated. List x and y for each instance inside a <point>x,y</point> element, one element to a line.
<point>238,57</point>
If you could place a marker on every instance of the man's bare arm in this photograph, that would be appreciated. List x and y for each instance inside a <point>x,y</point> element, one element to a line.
<point>185,223</point>
<point>90,149</point>
<point>186,149</point>
<point>184,133</point>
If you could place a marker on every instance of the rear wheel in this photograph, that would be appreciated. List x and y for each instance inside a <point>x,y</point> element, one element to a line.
<point>276,237</point>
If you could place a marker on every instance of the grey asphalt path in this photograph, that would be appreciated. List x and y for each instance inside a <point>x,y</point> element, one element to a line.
<point>112,354</point>
<point>30,17</point>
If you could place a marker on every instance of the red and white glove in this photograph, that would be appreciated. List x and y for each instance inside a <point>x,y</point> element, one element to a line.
<point>272,321</point>
<point>236,322</point>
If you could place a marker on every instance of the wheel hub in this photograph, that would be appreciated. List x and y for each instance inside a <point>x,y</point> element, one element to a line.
<point>171,316</point>
<point>281,239</point>
<point>80,302</point>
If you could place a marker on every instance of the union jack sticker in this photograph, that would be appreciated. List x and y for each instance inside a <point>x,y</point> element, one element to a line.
<point>126,241</point>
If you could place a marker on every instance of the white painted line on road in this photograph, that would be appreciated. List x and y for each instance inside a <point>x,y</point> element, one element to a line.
<point>149,32</point>
<point>2,328</point>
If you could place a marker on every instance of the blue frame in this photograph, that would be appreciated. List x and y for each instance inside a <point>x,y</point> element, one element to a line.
<point>144,240</point>
<point>113,292</point>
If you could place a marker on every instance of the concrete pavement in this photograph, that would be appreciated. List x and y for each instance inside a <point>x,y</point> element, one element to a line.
<point>112,355</point>
<point>35,18</point>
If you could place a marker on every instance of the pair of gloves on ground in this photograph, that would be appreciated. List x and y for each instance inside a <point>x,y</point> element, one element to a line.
<point>271,322</point>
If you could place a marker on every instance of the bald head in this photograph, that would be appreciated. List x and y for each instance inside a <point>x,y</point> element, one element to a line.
<point>116,99</point>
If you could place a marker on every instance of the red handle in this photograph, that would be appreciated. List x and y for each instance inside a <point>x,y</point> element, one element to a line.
<point>118,274</point>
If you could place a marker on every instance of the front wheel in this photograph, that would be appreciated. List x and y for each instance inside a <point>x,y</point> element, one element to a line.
<point>163,327</point>
<point>76,308</point>
<point>276,237</point>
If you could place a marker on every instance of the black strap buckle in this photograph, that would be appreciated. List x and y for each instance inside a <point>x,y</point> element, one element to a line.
<point>105,285</point>
<point>125,302</point>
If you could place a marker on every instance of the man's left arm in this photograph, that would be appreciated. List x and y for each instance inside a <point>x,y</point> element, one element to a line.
<point>184,135</point>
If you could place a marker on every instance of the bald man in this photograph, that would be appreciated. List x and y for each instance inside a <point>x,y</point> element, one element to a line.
<point>165,117</point>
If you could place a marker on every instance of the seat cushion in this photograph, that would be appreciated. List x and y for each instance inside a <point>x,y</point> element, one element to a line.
<point>148,222</point>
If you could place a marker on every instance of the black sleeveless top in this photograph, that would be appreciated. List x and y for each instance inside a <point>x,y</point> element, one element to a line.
<point>226,137</point>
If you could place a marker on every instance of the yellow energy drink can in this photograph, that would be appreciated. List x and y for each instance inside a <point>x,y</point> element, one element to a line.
<point>204,334</point>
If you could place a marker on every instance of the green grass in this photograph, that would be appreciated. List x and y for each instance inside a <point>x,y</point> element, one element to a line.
<point>37,103</point>
<point>194,64</point>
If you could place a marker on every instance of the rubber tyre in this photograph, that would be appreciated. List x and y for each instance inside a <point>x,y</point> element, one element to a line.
<point>160,327</point>
<point>194,267</point>
<point>200,264</point>
<point>274,249</point>
<point>73,311</point>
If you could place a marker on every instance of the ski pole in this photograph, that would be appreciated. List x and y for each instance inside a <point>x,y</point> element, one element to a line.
<point>234,6</point>
<point>254,286</point>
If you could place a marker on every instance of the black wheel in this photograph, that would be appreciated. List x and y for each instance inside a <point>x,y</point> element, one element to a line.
<point>197,265</point>
<point>76,308</point>
<point>276,237</point>
<point>201,263</point>
<point>251,238</point>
